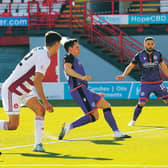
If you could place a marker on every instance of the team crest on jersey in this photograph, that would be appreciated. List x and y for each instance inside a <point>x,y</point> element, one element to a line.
<point>142,93</point>
<point>16,106</point>
<point>155,57</point>
<point>93,104</point>
<point>42,67</point>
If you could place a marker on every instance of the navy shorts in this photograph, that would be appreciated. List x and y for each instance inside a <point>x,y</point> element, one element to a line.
<point>86,99</point>
<point>158,89</point>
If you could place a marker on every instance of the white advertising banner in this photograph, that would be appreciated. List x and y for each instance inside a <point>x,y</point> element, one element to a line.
<point>112,90</point>
<point>0,90</point>
<point>54,90</point>
<point>112,19</point>
<point>131,19</point>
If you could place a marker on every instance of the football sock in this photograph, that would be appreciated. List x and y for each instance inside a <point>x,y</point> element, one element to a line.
<point>82,121</point>
<point>39,127</point>
<point>3,125</point>
<point>110,119</point>
<point>137,112</point>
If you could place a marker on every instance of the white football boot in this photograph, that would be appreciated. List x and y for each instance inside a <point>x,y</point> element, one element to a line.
<point>131,123</point>
<point>119,134</point>
<point>38,148</point>
<point>64,131</point>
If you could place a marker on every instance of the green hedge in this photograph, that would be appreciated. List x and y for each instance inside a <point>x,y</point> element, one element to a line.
<point>114,102</point>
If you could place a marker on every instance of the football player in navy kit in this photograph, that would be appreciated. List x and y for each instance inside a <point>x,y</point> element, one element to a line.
<point>149,61</point>
<point>88,101</point>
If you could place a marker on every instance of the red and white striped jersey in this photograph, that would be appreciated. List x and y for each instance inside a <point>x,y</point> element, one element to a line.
<point>22,77</point>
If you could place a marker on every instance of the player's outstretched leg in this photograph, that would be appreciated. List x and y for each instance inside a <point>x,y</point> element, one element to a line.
<point>137,112</point>
<point>79,122</point>
<point>112,123</point>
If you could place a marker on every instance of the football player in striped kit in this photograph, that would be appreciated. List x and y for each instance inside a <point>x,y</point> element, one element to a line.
<point>17,89</point>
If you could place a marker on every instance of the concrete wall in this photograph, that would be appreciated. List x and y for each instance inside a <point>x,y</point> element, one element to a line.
<point>9,58</point>
<point>94,65</point>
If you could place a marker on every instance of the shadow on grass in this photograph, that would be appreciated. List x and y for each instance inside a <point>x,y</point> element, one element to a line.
<point>105,142</point>
<point>56,155</point>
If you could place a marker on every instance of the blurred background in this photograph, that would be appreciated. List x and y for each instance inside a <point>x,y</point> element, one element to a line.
<point>110,33</point>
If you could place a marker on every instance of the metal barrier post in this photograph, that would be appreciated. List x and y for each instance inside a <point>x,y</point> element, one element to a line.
<point>71,14</point>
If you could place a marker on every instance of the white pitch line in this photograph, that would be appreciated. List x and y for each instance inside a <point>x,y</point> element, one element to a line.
<point>83,138</point>
<point>64,165</point>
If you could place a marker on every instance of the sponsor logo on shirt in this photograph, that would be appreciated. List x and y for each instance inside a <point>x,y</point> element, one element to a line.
<point>42,67</point>
<point>150,64</point>
<point>155,57</point>
<point>93,104</point>
<point>142,93</point>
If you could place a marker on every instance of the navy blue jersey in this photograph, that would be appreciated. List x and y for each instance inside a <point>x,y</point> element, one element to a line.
<point>77,67</point>
<point>149,65</point>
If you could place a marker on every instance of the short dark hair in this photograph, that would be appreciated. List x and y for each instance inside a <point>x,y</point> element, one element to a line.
<point>69,43</point>
<point>51,37</point>
<point>148,38</point>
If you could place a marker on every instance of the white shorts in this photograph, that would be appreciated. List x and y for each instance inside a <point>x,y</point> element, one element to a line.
<point>12,102</point>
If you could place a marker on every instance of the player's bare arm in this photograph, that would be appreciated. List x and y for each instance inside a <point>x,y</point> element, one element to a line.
<point>39,88</point>
<point>164,68</point>
<point>127,70</point>
<point>68,69</point>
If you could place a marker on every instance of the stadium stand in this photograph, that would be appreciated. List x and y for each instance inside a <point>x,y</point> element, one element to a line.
<point>163,6</point>
<point>6,1</point>
<point>147,7</point>
<point>76,18</point>
<point>20,7</point>
<point>3,7</point>
<point>22,10</point>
